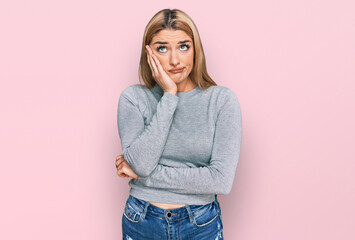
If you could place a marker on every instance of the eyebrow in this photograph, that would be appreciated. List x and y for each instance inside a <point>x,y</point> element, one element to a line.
<point>167,42</point>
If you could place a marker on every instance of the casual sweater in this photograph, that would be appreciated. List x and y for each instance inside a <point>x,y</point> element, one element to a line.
<point>185,148</point>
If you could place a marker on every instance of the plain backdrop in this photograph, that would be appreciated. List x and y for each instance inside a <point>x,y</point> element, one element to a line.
<point>64,64</point>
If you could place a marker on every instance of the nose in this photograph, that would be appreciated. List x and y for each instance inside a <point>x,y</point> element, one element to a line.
<point>174,58</point>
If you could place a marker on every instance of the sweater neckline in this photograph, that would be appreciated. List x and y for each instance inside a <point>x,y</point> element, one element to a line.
<point>181,95</point>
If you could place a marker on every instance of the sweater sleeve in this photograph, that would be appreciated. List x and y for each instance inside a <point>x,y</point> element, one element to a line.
<point>218,176</point>
<point>142,145</point>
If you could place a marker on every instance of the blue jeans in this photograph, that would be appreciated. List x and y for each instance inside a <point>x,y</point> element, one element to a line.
<point>142,220</point>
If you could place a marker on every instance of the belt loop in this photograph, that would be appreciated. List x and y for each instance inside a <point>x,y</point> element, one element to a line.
<point>219,207</point>
<point>190,213</point>
<point>145,210</point>
<point>216,201</point>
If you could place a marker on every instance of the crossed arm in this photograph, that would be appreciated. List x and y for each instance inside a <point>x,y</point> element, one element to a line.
<point>216,178</point>
<point>143,145</point>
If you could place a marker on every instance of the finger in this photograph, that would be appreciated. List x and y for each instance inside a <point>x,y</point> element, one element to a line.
<point>119,162</point>
<point>149,59</point>
<point>119,159</point>
<point>128,170</point>
<point>149,50</point>
<point>154,66</point>
<point>124,166</point>
<point>119,156</point>
<point>120,172</point>
<point>152,62</point>
<point>123,175</point>
<point>123,169</point>
<point>120,166</point>
<point>160,68</point>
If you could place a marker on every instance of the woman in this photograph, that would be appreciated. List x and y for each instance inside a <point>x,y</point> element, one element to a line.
<point>180,135</point>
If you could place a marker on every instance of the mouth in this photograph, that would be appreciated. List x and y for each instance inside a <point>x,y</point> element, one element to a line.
<point>176,70</point>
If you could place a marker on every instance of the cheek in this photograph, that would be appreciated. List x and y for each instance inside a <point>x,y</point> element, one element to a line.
<point>190,59</point>
<point>163,61</point>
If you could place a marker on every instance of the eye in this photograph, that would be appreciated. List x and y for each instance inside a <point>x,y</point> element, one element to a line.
<point>184,46</point>
<point>160,47</point>
<point>187,46</point>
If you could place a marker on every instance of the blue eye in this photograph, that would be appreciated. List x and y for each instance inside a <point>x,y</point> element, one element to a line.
<point>183,45</point>
<point>187,46</point>
<point>158,48</point>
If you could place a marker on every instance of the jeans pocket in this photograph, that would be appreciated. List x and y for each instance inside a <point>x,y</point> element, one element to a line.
<point>205,214</point>
<point>132,212</point>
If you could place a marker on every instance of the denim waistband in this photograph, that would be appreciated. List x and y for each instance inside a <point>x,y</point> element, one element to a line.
<point>172,214</point>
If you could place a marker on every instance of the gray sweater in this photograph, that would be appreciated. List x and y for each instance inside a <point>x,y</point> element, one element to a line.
<point>184,148</point>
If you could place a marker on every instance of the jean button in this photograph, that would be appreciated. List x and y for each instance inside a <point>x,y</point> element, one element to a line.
<point>168,214</point>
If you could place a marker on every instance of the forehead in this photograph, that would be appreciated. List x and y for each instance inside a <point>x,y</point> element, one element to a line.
<point>170,36</point>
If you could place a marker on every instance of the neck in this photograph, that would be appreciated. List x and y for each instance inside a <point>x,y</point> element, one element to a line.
<point>186,86</point>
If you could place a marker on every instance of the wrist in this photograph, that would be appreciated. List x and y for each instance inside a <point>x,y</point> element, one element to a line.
<point>172,92</point>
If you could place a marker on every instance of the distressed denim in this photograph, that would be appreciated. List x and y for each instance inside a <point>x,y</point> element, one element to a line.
<point>144,221</point>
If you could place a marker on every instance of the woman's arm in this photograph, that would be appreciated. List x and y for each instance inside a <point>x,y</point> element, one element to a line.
<point>143,146</point>
<point>218,177</point>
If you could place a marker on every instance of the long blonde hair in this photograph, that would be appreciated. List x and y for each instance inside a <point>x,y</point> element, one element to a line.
<point>175,19</point>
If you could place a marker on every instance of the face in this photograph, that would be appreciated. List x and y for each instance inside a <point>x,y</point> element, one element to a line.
<point>174,49</point>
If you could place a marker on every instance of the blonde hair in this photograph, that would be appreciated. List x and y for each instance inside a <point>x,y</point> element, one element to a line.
<point>175,19</point>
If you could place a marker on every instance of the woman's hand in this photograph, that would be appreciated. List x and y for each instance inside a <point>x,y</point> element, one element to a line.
<point>160,76</point>
<point>123,168</point>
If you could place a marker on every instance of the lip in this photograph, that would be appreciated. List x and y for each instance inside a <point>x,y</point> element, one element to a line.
<point>176,70</point>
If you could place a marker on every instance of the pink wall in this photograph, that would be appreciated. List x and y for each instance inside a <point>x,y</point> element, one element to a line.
<point>63,65</point>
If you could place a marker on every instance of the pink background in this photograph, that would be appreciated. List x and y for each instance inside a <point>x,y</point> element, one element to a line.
<point>63,65</point>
